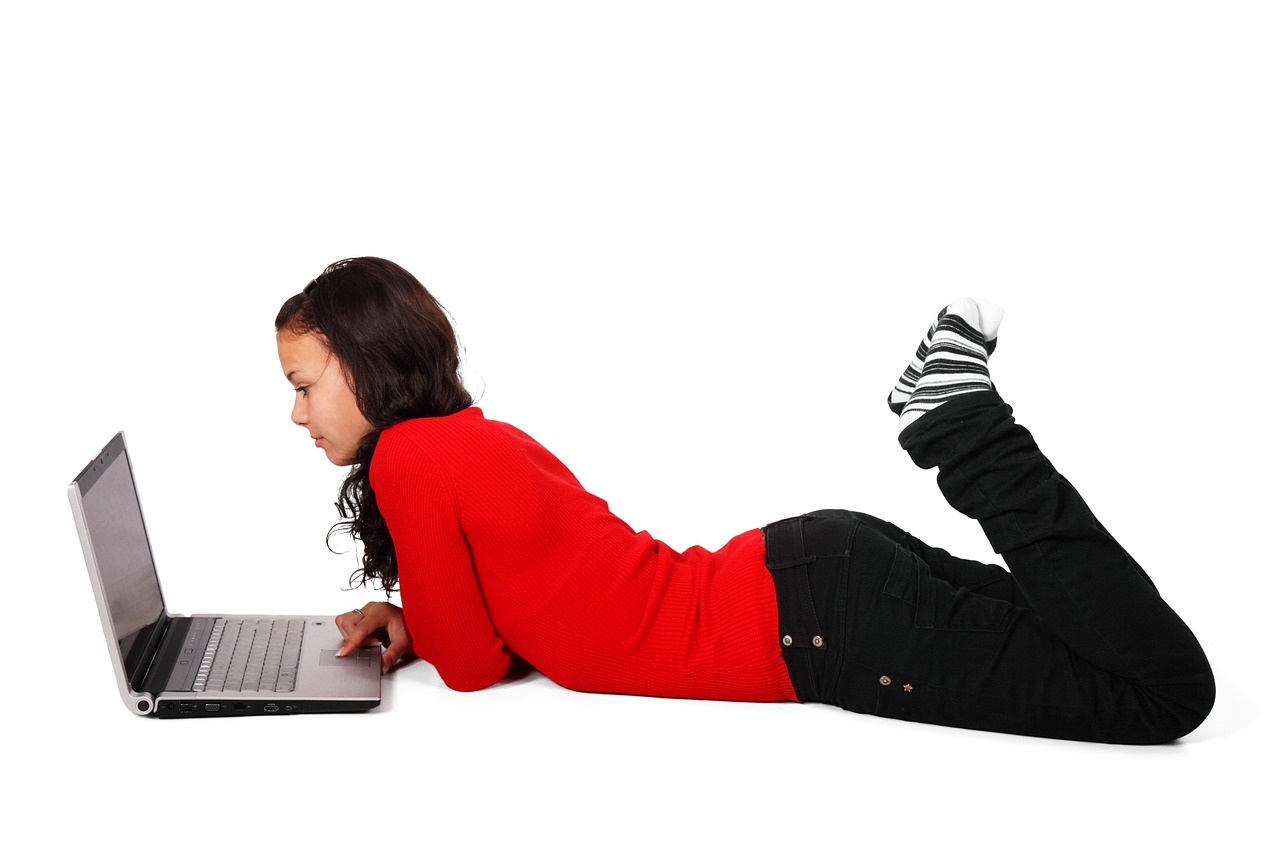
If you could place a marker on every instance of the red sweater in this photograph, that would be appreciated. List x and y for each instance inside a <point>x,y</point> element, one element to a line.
<point>504,556</point>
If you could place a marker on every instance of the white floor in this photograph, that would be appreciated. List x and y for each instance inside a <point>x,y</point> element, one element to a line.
<point>688,247</point>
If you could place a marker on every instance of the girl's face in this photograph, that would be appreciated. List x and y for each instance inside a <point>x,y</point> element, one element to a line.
<point>324,404</point>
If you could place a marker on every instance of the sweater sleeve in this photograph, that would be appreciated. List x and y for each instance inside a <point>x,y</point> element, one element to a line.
<point>443,605</point>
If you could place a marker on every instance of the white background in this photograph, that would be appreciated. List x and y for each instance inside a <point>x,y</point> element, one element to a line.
<point>688,247</point>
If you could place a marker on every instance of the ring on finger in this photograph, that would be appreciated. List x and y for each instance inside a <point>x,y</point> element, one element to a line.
<point>358,610</point>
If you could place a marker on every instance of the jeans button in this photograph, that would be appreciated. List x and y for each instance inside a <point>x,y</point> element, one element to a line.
<point>886,680</point>
<point>817,642</point>
<point>786,641</point>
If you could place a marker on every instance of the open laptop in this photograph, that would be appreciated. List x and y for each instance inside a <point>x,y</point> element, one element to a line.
<point>205,665</point>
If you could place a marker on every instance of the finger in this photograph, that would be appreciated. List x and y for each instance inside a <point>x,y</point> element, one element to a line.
<point>400,645</point>
<point>364,622</point>
<point>345,621</point>
<point>393,652</point>
<point>355,625</point>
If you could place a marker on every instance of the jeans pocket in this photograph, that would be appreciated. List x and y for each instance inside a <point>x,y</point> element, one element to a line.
<point>808,558</point>
<point>936,604</point>
<point>903,582</point>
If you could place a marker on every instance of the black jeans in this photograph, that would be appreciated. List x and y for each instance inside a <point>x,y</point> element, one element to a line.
<point>1072,642</point>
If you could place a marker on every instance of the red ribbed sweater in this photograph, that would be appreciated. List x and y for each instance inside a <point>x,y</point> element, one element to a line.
<point>503,555</point>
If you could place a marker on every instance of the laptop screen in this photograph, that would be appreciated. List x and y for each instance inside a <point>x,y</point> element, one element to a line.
<point>113,521</point>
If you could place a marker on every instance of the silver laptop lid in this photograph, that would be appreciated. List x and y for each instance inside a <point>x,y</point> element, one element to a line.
<point>104,501</point>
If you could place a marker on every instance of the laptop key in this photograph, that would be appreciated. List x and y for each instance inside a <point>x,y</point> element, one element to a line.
<point>252,655</point>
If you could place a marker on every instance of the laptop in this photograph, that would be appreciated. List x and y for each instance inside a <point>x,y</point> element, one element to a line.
<point>205,665</point>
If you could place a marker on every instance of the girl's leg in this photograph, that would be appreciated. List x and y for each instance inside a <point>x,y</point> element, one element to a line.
<point>1096,654</point>
<point>982,578</point>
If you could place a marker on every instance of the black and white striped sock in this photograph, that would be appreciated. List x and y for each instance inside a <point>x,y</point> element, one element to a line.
<point>951,360</point>
<point>906,383</point>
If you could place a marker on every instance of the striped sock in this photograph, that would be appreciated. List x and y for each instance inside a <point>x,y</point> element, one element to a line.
<point>951,360</point>
<point>906,383</point>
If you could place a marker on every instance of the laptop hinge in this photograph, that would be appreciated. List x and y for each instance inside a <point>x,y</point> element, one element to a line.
<point>142,674</point>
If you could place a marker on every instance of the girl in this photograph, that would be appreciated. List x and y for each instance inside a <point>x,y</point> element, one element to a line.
<point>501,557</point>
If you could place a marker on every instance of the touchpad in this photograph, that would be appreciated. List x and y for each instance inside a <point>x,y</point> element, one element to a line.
<point>360,657</point>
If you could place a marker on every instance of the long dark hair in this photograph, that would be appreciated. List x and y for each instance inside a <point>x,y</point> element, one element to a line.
<point>400,355</point>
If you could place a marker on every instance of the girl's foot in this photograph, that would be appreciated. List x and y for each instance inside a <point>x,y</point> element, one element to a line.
<point>907,381</point>
<point>950,361</point>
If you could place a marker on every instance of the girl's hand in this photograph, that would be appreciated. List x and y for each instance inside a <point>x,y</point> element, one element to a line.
<point>357,625</point>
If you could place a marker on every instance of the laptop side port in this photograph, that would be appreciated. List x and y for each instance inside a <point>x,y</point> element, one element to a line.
<point>271,708</point>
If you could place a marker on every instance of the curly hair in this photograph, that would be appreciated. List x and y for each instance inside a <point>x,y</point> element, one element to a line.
<point>399,352</point>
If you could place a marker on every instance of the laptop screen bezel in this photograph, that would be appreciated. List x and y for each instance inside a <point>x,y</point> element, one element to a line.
<point>131,654</point>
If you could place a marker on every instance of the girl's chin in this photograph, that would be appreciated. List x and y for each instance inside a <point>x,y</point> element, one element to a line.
<point>337,458</point>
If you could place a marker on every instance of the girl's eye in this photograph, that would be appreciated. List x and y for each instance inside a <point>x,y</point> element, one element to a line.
<point>302,389</point>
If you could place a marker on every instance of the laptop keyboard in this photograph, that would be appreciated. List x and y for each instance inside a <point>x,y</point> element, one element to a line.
<point>251,655</point>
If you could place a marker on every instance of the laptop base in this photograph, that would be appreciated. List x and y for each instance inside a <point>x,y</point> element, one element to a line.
<point>196,707</point>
